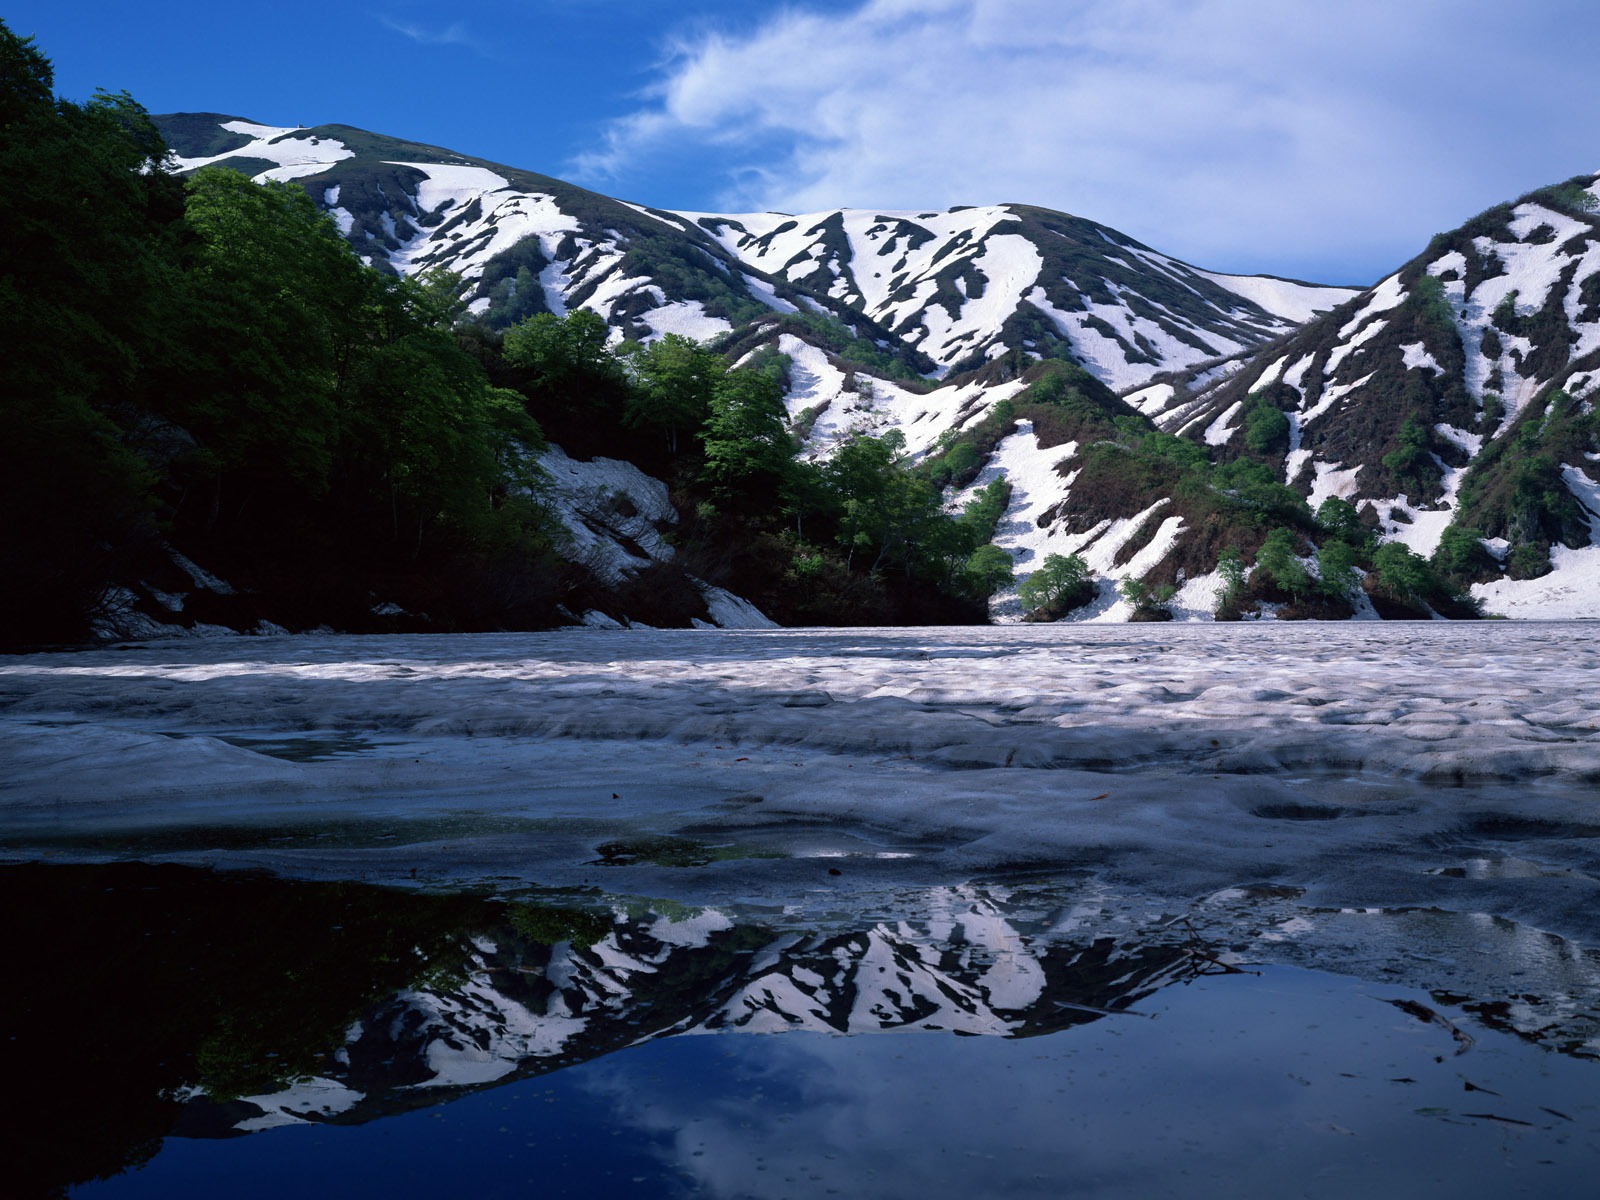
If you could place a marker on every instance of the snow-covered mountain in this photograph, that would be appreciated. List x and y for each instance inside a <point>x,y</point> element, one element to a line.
<point>947,291</point>
<point>973,284</point>
<point>1453,392</point>
<point>1458,391</point>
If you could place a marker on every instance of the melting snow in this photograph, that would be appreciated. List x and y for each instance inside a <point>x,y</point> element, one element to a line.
<point>1416,355</point>
<point>1297,302</point>
<point>288,147</point>
<point>1161,753</point>
<point>688,318</point>
<point>1388,294</point>
<point>611,510</point>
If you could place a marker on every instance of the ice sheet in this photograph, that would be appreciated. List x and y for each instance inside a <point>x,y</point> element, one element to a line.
<point>1351,758</point>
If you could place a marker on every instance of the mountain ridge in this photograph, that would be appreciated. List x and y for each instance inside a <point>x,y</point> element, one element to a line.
<point>577,265</point>
<point>1182,442</point>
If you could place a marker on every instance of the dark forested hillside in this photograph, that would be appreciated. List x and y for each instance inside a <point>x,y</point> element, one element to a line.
<point>201,370</point>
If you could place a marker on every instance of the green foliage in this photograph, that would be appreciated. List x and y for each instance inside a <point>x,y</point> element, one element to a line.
<point>965,452</point>
<point>774,364</point>
<point>747,448</point>
<point>1505,316</point>
<point>1149,603</point>
<point>561,351</point>
<point>1266,428</point>
<point>1516,489</point>
<point>1059,579</point>
<point>1428,295</point>
<point>1404,573</point>
<point>1337,562</point>
<point>981,515</point>
<point>674,380</point>
<point>839,340</point>
<point>1339,519</point>
<point>1574,194</point>
<point>1411,462</point>
<point>986,571</point>
<point>1256,488</point>
<point>1461,558</point>
<point>549,925</point>
<point>886,511</point>
<point>275,311</point>
<point>1529,561</point>
<point>1230,567</point>
<point>207,361</point>
<point>1278,561</point>
<point>86,291</point>
<point>1187,455</point>
<point>563,366</point>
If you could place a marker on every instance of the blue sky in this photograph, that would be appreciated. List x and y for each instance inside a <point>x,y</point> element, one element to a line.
<point>1324,141</point>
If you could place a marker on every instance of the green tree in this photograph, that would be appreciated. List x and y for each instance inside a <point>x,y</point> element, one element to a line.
<point>1255,488</point>
<point>748,450</point>
<point>1266,428</point>
<point>1149,603</point>
<point>424,433</point>
<point>1339,518</point>
<point>885,510</point>
<point>1402,572</point>
<point>276,312</point>
<point>674,380</point>
<point>1278,561</point>
<point>980,516</point>
<point>1337,562</point>
<point>574,385</point>
<point>1231,576</point>
<point>1410,462</point>
<point>87,293</point>
<point>1059,578</point>
<point>561,352</point>
<point>986,571</point>
<point>1461,557</point>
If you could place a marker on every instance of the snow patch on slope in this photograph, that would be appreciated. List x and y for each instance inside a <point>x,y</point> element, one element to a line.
<point>1296,302</point>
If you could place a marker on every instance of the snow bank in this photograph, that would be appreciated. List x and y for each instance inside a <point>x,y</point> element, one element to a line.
<point>611,511</point>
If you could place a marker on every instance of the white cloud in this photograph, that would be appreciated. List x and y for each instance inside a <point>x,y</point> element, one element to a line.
<point>1243,134</point>
<point>454,34</point>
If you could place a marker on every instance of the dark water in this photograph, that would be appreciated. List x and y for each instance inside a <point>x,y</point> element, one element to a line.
<point>966,1041</point>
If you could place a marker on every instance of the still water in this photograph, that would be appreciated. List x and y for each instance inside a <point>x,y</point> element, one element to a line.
<point>187,1033</point>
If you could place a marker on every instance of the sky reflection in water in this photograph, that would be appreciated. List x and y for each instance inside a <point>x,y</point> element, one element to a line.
<point>1133,1070</point>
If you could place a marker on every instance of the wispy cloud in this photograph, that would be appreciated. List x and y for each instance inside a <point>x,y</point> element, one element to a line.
<point>454,34</point>
<point>1239,133</point>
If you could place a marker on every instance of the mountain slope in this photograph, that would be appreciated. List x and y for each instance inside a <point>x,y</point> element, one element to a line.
<point>1118,394</point>
<point>1458,392</point>
<point>971,284</point>
<point>946,292</point>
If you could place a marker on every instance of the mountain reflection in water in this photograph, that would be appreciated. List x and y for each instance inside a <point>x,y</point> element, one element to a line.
<point>157,1002</point>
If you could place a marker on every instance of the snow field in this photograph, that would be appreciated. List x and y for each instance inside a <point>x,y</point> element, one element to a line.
<point>290,147</point>
<point>507,217</point>
<point>1175,758</point>
<point>1296,302</point>
<point>879,263</point>
<point>815,381</point>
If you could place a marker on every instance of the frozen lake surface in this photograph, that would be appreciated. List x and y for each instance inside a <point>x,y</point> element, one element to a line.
<point>1436,764</point>
<point>1411,806</point>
